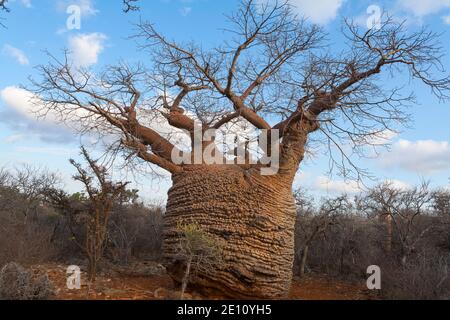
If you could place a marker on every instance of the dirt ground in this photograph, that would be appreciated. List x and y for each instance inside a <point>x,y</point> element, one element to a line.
<point>147,281</point>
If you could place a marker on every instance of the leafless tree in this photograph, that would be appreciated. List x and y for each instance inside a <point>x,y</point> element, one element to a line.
<point>5,185</point>
<point>441,202</point>
<point>351,244</point>
<point>33,183</point>
<point>23,190</point>
<point>102,193</point>
<point>274,74</point>
<point>25,235</point>
<point>4,176</point>
<point>380,202</point>
<point>414,206</point>
<point>123,232</point>
<point>403,209</point>
<point>314,224</point>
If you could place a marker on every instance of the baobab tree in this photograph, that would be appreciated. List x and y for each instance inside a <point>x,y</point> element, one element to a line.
<point>273,73</point>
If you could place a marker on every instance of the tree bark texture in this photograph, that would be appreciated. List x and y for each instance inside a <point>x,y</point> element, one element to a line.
<point>251,218</point>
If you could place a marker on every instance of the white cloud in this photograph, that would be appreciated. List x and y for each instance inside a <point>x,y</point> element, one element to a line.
<point>423,156</point>
<point>17,54</point>
<point>336,186</point>
<point>351,187</point>
<point>86,48</point>
<point>383,137</point>
<point>13,138</point>
<point>185,11</point>
<point>318,11</point>
<point>87,7</point>
<point>30,107</point>
<point>397,184</point>
<point>24,113</point>
<point>19,100</point>
<point>421,8</point>
<point>21,115</point>
<point>26,3</point>
<point>446,19</point>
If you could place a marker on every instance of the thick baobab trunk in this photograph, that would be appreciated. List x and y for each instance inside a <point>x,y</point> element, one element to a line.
<point>251,218</point>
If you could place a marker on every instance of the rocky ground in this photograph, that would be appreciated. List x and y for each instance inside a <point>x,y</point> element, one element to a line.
<point>148,281</point>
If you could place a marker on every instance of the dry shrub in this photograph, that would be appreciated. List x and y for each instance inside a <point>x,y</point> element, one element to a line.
<point>135,231</point>
<point>18,283</point>
<point>416,263</point>
<point>199,252</point>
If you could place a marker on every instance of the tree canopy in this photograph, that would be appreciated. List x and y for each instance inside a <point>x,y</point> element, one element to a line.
<point>275,73</point>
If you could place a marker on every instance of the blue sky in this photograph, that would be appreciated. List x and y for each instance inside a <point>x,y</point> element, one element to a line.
<point>419,152</point>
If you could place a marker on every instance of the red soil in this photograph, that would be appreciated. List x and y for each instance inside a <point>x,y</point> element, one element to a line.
<point>125,286</point>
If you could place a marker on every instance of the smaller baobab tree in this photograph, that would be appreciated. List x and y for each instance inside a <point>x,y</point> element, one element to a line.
<point>102,193</point>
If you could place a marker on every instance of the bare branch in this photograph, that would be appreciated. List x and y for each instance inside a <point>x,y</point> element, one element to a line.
<point>273,68</point>
<point>112,99</point>
<point>129,5</point>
